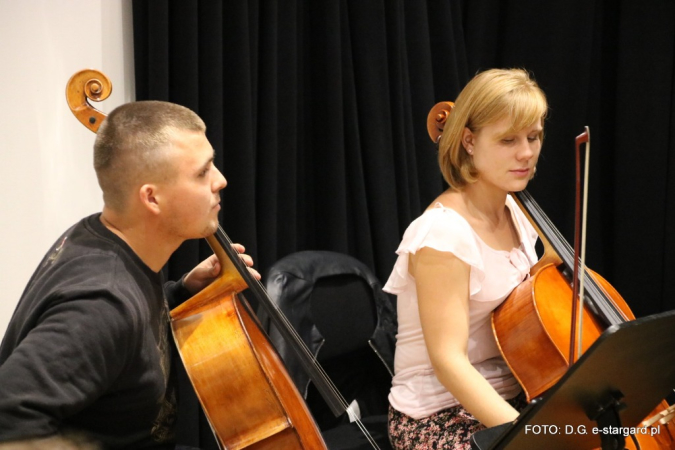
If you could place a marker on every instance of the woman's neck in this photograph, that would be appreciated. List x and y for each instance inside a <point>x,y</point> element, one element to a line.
<point>485,205</point>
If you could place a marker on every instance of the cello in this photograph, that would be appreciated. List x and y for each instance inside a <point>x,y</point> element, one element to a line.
<point>246,393</point>
<point>534,326</point>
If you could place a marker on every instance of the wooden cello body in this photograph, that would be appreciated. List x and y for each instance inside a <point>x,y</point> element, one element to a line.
<point>242,384</point>
<point>246,393</point>
<point>533,326</point>
<point>546,322</point>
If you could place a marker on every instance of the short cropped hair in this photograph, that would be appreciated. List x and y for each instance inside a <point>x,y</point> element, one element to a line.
<point>130,144</point>
<point>487,98</point>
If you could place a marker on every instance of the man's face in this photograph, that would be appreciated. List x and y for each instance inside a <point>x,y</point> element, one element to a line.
<point>190,199</point>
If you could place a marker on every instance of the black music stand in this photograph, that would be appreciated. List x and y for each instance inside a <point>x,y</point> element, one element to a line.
<point>620,379</point>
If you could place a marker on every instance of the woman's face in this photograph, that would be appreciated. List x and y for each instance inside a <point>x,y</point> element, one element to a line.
<point>505,159</point>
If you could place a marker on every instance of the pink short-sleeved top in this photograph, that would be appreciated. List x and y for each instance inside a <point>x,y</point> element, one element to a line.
<point>494,274</point>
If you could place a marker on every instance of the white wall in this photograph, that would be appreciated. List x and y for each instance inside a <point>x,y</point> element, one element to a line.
<point>47,181</point>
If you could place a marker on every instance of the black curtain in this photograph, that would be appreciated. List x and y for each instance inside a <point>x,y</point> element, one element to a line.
<point>317,111</point>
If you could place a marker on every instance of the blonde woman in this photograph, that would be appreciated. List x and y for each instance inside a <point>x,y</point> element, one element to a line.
<point>458,261</point>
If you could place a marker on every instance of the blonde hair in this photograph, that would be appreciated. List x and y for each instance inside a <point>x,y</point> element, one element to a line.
<point>130,146</point>
<point>487,98</point>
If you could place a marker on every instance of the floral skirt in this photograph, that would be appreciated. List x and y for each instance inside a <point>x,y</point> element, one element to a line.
<point>449,429</point>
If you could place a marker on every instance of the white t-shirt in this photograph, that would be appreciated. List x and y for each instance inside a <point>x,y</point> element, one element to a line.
<point>494,274</point>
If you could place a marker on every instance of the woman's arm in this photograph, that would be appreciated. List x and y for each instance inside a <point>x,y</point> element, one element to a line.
<point>442,282</point>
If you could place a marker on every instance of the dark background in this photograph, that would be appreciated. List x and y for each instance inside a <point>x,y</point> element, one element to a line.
<point>317,111</point>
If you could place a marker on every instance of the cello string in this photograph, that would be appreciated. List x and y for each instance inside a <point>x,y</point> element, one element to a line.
<point>564,249</point>
<point>299,342</point>
<point>598,294</point>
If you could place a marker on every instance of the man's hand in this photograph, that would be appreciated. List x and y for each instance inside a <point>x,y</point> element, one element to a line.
<point>207,271</point>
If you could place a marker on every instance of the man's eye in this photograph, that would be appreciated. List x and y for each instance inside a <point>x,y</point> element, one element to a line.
<point>203,172</point>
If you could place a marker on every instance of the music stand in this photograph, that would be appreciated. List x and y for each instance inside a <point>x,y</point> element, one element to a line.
<point>620,379</point>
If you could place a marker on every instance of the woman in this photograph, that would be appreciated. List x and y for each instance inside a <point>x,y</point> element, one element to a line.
<point>460,260</point>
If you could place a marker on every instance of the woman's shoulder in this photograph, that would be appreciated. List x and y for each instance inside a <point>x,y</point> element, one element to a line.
<point>449,199</point>
<point>447,213</point>
<point>442,228</point>
<point>440,218</point>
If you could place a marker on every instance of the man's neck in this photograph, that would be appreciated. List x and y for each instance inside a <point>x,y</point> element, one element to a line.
<point>142,236</point>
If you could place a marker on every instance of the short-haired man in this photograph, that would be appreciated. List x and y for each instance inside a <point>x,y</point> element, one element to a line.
<point>87,348</point>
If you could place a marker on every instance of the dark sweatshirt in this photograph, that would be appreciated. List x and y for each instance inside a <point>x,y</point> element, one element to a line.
<point>87,349</point>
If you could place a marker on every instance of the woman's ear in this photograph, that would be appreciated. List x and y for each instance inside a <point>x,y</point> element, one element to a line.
<point>468,140</point>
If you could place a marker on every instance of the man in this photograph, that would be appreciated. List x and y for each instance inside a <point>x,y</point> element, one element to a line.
<point>87,350</point>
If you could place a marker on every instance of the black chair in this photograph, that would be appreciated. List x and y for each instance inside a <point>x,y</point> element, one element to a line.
<point>338,308</point>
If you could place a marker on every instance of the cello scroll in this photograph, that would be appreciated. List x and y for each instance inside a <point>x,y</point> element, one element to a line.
<point>88,84</point>
<point>436,119</point>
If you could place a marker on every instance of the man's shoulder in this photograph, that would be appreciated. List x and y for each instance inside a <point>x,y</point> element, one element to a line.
<point>88,255</point>
<point>86,264</point>
<point>80,256</point>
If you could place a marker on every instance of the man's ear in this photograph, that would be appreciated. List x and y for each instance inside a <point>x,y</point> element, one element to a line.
<point>148,195</point>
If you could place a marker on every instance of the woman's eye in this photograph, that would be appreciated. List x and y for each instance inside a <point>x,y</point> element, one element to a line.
<point>508,140</point>
<point>533,138</point>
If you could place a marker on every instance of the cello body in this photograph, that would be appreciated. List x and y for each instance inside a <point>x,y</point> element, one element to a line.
<point>538,307</point>
<point>245,391</point>
<point>532,328</point>
<point>533,325</point>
